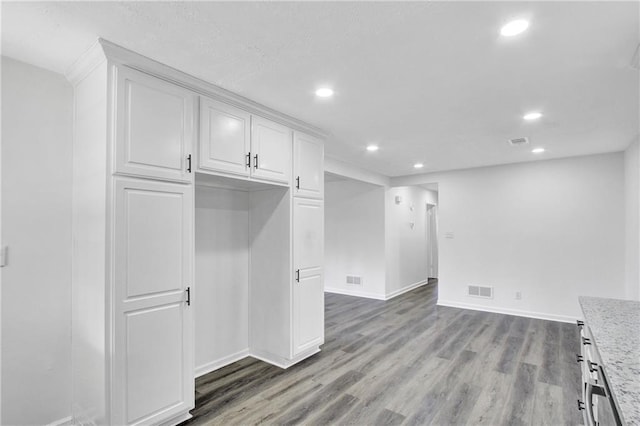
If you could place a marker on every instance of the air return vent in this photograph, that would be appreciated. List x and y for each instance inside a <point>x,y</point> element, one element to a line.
<point>354,279</point>
<point>480,291</point>
<point>519,141</point>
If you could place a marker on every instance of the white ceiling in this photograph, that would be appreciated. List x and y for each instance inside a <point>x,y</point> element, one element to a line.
<point>427,81</point>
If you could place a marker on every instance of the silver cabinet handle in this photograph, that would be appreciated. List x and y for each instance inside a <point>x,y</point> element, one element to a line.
<point>591,389</point>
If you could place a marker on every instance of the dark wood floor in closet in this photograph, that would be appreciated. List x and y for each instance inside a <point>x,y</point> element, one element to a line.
<point>407,361</point>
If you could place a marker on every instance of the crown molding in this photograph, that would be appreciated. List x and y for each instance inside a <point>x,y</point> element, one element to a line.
<point>86,63</point>
<point>118,55</point>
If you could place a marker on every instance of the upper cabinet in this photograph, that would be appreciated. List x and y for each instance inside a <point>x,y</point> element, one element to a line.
<point>270,150</point>
<point>308,166</point>
<point>154,127</point>
<point>225,139</point>
<point>233,141</point>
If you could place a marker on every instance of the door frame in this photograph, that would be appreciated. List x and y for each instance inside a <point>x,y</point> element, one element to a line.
<point>431,237</point>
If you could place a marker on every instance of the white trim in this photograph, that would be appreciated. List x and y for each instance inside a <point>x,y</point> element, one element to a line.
<point>177,419</point>
<point>282,362</point>
<point>405,289</point>
<point>376,296</point>
<point>221,362</point>
<point>85,64</point>
<point>356,293</point>
<point>65,421</point>
<point>122,56</point>
<point>498,310</point>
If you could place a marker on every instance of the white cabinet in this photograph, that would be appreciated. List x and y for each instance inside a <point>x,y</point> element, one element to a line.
<point>132,330</point>
<point>308,287</point>
<point>153,128</point>
<point>133,235</point>
<point>153,341</point>
<point>232,141</point>
<point>224,138</point>
<point>271,150</point>
<point>308,166</point>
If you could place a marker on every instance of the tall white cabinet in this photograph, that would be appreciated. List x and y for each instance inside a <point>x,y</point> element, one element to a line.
<point>145,137</point>
<point>308,261</point>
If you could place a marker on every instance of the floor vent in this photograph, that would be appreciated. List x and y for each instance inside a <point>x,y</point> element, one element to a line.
<point>480,291</point>
<point>354,279</point>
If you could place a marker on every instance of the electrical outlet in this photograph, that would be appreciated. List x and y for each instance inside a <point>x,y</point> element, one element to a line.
<point>518,295</point>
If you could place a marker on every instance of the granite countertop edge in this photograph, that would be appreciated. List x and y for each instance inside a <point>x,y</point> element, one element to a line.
<point>615,328</point>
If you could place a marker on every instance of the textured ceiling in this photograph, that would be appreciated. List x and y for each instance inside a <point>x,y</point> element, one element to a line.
<point>429,82</point>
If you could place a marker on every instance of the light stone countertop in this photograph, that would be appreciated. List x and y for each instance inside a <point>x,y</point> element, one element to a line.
<point>615,327</point>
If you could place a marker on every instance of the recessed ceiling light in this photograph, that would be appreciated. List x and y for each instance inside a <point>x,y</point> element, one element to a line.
<point>514,28</point>
<point>324,92</point>
<point>532,116</point>
<point>418,165</point>
<point>537,150</point>
<point>372,148</point>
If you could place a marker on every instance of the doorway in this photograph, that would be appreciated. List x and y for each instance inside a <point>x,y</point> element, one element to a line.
<point>431,228</point>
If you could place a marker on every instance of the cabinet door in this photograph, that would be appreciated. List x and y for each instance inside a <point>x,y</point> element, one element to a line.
<point>308,166</point>
<point>224,138</point>
<point>271,150</point>
<point>308,285</point>
<point>153,331</point>
<point>154,127</point>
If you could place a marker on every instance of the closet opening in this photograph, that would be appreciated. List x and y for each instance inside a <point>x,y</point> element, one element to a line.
<point>242,271</point>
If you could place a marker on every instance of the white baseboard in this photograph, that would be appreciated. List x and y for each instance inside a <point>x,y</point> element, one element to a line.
<point>219,363</point>
<point>357,293</point>
<point>283,363</point>
<point>507,311</point>
<point>65,421</point>
<point>377,296</point>
<point>405,289</point>
<point>182,417</point>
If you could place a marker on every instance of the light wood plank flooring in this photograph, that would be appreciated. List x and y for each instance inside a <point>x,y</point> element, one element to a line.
<point>407,361</point>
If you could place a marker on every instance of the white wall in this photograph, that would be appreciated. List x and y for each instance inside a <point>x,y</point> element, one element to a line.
<point>553,230</point>
<point>221,290</point>
<point>354,237</point>
<point>406,245</point>
<point>632,217</point>
<point>36,225</point>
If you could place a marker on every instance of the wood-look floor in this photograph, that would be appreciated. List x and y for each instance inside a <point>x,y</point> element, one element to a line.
<point>407,361</point>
